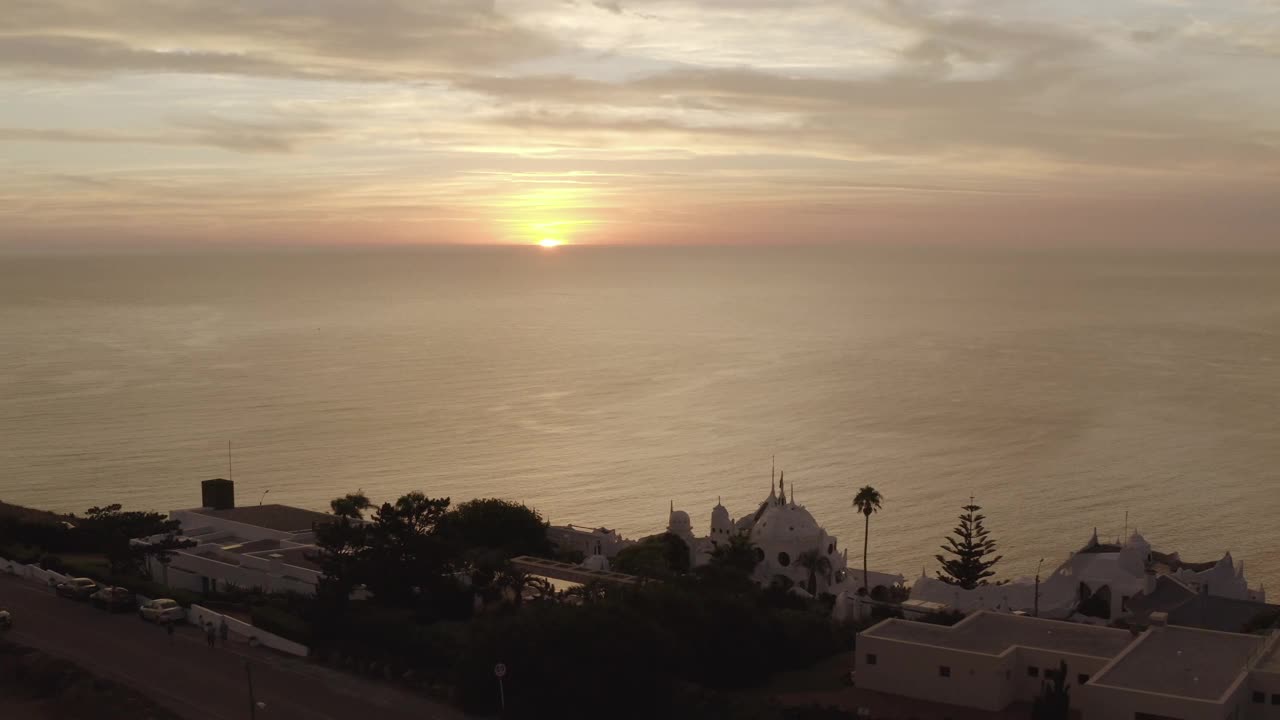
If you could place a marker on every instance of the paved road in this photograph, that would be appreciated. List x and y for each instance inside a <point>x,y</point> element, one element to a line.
<point>184,675</point>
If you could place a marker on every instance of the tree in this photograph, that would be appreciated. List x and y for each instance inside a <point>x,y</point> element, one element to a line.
<point>738,556</point>
<point>817,565</point>
<point>658,556</point>
<point>109,529</point>
<point>342,546</point>
<point>972,548</point>
<point>352,505</point>
<point>405,553</point>
<point>867,501</point>
<point>162,551</point>
<point>509,528</point>
<point>1054,702</point>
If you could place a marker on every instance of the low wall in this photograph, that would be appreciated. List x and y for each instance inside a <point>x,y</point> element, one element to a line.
<point>199,616</point>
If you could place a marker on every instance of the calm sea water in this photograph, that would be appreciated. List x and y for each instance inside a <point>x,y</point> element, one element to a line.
<point>599,385</point>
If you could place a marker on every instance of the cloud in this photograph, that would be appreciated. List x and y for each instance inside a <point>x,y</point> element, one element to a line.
<point>690,113</point>
<point>206,131</point>
<point>307,38</point>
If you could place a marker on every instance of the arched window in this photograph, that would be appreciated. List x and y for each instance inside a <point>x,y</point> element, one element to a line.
<point>784,559</point>
<point>831,548</point>
<point>759,555</point>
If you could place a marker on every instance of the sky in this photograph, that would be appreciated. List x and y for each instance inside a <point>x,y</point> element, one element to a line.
<point>202,122</point>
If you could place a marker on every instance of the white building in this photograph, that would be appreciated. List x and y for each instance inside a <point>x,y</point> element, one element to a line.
<point>263,546</point>
<point>588,541</point>
<point>989,661</point>
<point>782,532</point>
<point>1098,580</point>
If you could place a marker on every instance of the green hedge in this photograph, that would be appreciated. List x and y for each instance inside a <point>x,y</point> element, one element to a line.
<point>281,622</point>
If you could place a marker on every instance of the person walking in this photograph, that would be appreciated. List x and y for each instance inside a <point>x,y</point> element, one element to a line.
<point>210,635</point>
<point>223,630</point>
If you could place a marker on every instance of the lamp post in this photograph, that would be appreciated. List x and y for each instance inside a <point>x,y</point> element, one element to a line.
<point>253,705</point>
<point>1036,610</point>
<point>264,495</point>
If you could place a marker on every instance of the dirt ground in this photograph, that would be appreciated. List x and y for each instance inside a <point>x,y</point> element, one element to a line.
<point>39,687</point>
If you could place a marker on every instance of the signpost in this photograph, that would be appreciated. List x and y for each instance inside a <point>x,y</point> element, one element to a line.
<point>500,671</point>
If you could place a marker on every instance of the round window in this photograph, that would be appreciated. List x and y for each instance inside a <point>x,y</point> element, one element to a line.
<point>784,559</point>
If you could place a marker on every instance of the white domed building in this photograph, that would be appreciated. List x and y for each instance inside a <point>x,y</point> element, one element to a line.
<point>782,532</point>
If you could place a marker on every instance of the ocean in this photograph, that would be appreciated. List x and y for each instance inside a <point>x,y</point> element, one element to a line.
<point>1061,389</point>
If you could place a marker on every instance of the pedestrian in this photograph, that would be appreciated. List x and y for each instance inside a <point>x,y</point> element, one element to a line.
<point>168,628</point>
<point>223,631</point>
<point>210,635</point>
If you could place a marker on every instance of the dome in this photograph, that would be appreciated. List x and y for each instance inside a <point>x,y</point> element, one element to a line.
<point>784,523</point>
<point>720,514</point>
<point>596,562</point>
<point>679,522</point>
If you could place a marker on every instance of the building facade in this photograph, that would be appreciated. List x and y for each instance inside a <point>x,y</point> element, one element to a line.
<point>989,661</point>
<point>270,547</point>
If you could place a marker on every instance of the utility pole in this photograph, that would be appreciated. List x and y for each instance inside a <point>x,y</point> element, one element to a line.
<point>253,704</point>
<point>1036,610</point>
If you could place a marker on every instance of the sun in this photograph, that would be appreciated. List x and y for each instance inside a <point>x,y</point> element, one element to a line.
<point>550,242</point>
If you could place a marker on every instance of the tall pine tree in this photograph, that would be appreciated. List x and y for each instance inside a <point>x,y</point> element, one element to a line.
<point>972,550</point>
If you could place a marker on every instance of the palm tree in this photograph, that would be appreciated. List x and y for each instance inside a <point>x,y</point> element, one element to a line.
<point>867,501</point>
<point>817,564</point>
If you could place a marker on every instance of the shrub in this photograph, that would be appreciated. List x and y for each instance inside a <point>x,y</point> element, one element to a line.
<point>281,622</point>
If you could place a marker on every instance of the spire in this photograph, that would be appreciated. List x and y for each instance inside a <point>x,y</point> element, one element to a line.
<point>673,506</point>
<point>793,492</point>
<point>782,492</point>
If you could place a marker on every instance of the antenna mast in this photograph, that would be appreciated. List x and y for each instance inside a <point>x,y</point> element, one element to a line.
<point>229,476</point>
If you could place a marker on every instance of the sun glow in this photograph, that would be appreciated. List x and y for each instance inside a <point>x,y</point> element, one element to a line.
<point>550,242</point>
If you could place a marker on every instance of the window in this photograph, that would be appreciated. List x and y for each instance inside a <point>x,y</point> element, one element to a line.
<point>871,658</point>
<point>831,547</point>
<point>1033,671</point>
<point>760,554</point>
<point>1081,679</point>
<point>944,671</point>
<point>784,559</point>
<point>1259,697</point>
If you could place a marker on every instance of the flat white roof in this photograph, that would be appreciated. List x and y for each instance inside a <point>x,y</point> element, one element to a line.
<point>994,633</point>
<point>1186,662</point>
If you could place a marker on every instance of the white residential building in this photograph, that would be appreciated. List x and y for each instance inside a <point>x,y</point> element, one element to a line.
<point>263,546</point>
<point>588,541</point>
<point>989,661</point>
<point>1098,580</point>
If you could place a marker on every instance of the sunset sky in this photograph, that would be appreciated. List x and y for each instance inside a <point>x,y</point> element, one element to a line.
<point>1124,122</point>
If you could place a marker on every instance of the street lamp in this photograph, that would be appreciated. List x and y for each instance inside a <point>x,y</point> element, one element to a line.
<point>1036,611</point>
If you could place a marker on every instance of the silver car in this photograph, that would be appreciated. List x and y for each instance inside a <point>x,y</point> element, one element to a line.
<point>162,610</point>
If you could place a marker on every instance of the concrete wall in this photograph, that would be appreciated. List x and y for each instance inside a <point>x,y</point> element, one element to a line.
<point>199,616</point>
<point>1028,688</point>
<point>912,670</point>
<point>186,569</point>
<point>1101,702</point>
<point>1269,685</point>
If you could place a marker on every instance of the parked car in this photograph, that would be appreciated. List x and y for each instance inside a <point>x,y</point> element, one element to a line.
<point>114,599</point>
<point>6,620</point>
<point>76,588</point>
<point>162,610</point>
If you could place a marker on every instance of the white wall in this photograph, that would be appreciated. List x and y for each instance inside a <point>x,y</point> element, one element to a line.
<point>912,670</point>
<point>1102,702</point>
<point>198,616</point>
